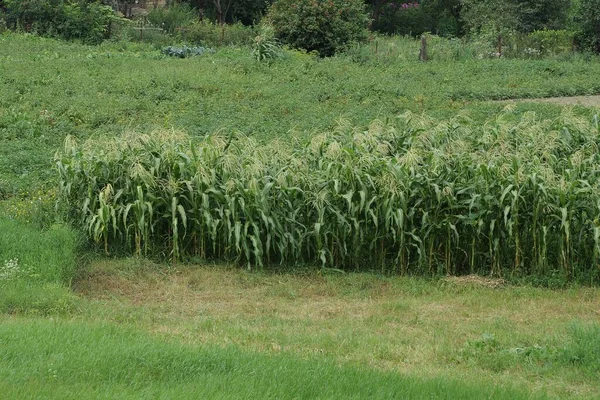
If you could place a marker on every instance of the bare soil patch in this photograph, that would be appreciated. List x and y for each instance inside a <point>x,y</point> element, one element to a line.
<point>587,101</point>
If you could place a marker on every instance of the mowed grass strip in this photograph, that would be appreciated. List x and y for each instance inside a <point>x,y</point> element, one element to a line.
<point>479,331</point>
<point>74,360</point>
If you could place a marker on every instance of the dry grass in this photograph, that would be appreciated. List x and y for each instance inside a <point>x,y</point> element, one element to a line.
<point>408,325</point>
<point>476,280</point>
<point>587,101</point>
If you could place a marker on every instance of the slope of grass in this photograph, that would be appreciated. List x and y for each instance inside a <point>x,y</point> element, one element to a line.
<point>74,360</point>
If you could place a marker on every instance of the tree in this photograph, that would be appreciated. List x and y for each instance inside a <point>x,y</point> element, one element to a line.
<point>324,26</point>
<point>587,22</point>
<point>514,15</point>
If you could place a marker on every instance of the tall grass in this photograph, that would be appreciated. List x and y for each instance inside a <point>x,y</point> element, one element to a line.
<point>412,195</point>
<point>36,268</point>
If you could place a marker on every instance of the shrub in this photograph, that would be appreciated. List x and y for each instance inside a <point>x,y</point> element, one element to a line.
<point>587,22</point>
<point>411,17</point>
<point>206,33</point>
<point>514,15</point>
<point>324,26</point>
<point>265,47</point>
<point>83,20</point>
<point>170,18</point>
<point>551,42</point>
<point>185,51</point>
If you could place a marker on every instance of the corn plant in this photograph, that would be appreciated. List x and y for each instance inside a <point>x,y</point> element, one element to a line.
<point>412,195</point>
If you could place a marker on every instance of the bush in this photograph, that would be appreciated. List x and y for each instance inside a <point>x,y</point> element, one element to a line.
<point>208,34</point>
<point>325,26</point>
<point>185,51</point>
<point>79,19</point>
<point>265,47</point>
<point>416,17</point>
<point>523,16</point>
<point>587,22</point>
<point>172,17</point>
<point>550,42</point>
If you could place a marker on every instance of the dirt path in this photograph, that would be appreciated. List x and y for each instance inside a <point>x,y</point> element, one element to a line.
<point>588,101</point>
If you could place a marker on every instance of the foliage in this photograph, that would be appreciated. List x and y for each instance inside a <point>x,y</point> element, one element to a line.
<point>207,33</point>
<point>580,350</point>
<point>416,17</point>
<point>80,19</point>
<point>171,18</point>
<point>587,22</point>
<point>50,89</point>
<point>416,196</point>
<point>324,26</point>
<point>34,256</point>
<point>537,44</point>
<point>185,51</point>
<point>549,42</point>
<point>527,16</point>
<point>265,47</point>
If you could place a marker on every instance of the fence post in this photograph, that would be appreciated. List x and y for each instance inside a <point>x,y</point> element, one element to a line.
<point>423,52</point>
<point>499,46</point>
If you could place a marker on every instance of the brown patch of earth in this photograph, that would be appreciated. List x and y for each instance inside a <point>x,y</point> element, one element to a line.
<point>587,101</point>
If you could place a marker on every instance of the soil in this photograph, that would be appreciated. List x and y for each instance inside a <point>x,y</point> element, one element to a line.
<point>588,101</point>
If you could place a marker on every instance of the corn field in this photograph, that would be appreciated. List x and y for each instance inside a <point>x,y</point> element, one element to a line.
<point>412,195</point>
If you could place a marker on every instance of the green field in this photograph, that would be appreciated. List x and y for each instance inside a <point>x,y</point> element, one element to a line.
<point>190,323</point>
<point>50,89</point>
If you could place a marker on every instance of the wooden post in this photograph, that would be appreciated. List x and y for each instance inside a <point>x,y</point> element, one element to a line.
<point>423,52</point>
<point>499,46</point>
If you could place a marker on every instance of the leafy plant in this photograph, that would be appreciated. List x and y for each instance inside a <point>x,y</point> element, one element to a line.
<point>207,33</point>
<point>185,51</point>
<point>78,19</point>
<point>587,21</point>
<point>325,26</point>
<point>415,196</point>
<point>174,16</point>
<point>265,46</point>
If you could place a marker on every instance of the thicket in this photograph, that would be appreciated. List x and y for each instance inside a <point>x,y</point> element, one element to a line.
<point>411,196</point>
<point>522,16</point>
<point>586,21</point>
<point>321,26</point>
<point>76,19</point>
<point>413,17</point>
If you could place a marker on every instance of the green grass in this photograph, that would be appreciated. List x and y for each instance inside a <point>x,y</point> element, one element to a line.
<point>47,256</point>
<point>455,329</point>
<point>74,360</point>
<point>36,268</point>
<point>50,89</point>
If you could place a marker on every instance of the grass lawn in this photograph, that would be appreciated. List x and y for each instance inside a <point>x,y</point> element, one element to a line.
<point>142,329</point>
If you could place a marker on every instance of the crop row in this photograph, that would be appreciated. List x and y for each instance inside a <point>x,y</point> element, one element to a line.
<point>410,195</point>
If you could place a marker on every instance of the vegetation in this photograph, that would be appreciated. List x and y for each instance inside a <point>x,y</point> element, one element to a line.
<point>94,361</point>
<point>173,327</point>
<point>410,196</point>
<point>79,19</point>
<point>587,23</point>
<point>51,89</point>
<point>321,26</point>
<point>315,167</point>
